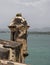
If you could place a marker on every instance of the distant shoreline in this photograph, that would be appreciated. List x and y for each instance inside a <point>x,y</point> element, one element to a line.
<point>28,32</point>
<point>39,33</point>
<point>4,31</point>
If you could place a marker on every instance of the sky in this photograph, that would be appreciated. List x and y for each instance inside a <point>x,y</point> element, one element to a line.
<point>36,12</point>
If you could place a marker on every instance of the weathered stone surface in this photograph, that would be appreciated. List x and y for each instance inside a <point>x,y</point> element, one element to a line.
<point>15,50</point>
<point>5,62</point>
<point>9,43</point>
<point>11,50</point>
<point>18,28</point>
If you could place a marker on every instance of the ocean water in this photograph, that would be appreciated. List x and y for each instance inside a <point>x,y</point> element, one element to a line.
<point>38,48</point>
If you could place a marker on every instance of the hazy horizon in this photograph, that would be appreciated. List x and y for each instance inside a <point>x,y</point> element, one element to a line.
<point>44,29</point>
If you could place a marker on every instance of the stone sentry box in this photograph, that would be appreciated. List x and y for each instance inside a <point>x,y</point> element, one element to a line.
<point>18,28</point>
<point>15,50</point>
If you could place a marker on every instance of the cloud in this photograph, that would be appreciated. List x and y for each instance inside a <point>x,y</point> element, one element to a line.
<point>32,3</point>
<point>37,12</point>
<point>39,6</point>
